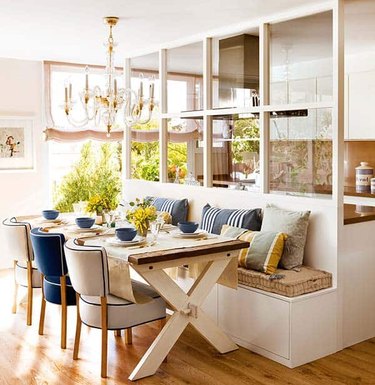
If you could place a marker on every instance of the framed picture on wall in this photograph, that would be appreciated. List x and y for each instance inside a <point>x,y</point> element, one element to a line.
<point>16,143</point>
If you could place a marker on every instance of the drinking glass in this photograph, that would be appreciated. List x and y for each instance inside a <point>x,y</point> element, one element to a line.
<point>155,228</point>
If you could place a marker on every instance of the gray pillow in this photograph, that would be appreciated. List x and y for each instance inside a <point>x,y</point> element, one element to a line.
<point>177,208</point>
<point>292,223</point>
<point>214,218</point>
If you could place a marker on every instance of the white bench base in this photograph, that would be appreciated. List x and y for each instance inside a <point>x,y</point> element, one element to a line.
<point>291,331</point>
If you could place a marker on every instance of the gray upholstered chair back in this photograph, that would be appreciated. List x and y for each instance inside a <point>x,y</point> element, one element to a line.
<point>88,268</point>
<point>17,236</point>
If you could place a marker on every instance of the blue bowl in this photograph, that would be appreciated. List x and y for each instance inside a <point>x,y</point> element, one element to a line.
<point>126,233</point>
<point>50,214</point>
<point>188,227</point>
<point>85,222</point>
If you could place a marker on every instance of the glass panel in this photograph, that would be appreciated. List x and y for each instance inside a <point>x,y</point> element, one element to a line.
<point>236,70</point>
<point>145,137</point>
<point>301,154</point>
<point>235,152</point>
<point>185,78</point>
<point>301,60</point>
<point>185,157</point>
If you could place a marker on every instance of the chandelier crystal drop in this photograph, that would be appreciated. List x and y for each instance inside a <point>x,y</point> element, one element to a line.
<point>103,105</point>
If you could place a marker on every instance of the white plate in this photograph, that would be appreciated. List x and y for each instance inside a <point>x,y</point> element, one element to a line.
<point>114,241</point>
<point>93,229</point>
<point>168,227</point>
<point>180,234</point>
<point>57,220</point>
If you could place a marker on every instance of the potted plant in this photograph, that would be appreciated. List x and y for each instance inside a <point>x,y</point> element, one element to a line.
<point>141,213</point>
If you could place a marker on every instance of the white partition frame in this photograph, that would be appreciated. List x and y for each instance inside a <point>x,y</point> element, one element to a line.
<point>331,210</point>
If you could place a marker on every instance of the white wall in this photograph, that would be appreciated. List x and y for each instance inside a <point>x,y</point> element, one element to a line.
<point>23,192</point>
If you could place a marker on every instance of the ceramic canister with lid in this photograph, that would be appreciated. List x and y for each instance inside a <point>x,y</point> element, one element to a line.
<point>363,175</point>
<point>372,185</point>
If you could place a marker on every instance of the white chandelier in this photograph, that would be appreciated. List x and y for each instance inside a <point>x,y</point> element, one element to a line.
<point>102,106</point>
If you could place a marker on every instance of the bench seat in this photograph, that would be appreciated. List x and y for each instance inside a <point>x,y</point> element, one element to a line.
<point>295,283</point>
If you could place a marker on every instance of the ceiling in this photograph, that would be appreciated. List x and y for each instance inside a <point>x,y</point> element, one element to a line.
<point>72,31</point>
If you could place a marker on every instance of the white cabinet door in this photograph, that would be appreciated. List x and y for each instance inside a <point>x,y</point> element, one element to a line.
<point>255,318</point>
<point>361,105</point>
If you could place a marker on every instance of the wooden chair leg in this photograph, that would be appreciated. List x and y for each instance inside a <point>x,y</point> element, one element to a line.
<point>117,333</point>
<point>63,311</point>
<point>104,322</point>
<point>128,336</point>
<point>42,309</point>
<point>29,293</point>
<point>14,307</point>
<point>163,321</point>
<point>78,331</point>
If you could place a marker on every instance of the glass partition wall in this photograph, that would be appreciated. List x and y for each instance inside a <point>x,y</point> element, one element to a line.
<point>300,119</point>
<point>144,138</point>
<point>244,105</point>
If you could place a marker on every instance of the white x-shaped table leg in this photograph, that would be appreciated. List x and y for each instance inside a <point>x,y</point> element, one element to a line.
<point>187,309</point>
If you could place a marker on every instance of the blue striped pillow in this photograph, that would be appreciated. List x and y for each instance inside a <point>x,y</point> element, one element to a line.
<point>214,218</point>
<point>177,208</point>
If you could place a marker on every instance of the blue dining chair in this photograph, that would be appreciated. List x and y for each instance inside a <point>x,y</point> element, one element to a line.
<point>56,288</point>
<point>17,238</point>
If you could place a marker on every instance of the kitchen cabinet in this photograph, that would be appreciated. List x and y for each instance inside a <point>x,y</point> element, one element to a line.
<point>361,103</point>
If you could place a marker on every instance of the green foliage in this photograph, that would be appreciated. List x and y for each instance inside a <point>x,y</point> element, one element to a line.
<point>145,157</point>
<point>97,173</point>
<point>245,129</point>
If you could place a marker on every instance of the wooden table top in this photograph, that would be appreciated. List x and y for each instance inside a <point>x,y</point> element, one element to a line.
<point>186,252</point>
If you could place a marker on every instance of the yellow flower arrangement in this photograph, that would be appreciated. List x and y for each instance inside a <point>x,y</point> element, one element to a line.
<point>97,204</point>
<point>142,212</point>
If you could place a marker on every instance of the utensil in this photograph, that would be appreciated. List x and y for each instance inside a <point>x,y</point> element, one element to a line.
<point>142,246</point>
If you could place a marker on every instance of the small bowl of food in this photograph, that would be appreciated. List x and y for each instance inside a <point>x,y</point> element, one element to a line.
<point>125,233</point>
<point>50,214</point>
<point>188,227</point>
<point>85,222</point>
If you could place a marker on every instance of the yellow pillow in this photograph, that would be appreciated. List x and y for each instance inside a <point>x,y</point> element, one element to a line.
<point>265,251</point>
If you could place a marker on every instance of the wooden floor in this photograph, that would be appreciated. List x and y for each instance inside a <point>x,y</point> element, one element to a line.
<point>27,358</point>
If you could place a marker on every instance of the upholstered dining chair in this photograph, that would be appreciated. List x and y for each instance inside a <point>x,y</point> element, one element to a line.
<point>96,307</point>
<point>17,236</point>
<point>50,260</point>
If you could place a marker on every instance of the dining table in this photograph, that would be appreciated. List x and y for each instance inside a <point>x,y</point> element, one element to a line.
<point>213,259</point>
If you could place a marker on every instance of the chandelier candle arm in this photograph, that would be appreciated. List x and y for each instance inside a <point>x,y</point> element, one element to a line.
<point>103,106</point>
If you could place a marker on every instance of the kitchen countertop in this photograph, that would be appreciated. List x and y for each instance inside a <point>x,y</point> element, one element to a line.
<point>358,214</point>
<point>351,191</point>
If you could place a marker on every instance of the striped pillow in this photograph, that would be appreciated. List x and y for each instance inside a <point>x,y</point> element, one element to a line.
<point>265,251</point>
<point>177,208</point>
<point>214,218</point>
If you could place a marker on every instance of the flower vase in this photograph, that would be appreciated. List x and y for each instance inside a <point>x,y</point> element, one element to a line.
<point>142,230</point>
<point>100,218</point>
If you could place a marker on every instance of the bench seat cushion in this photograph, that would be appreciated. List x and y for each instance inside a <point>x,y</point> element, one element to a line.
<point>293,284</point>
